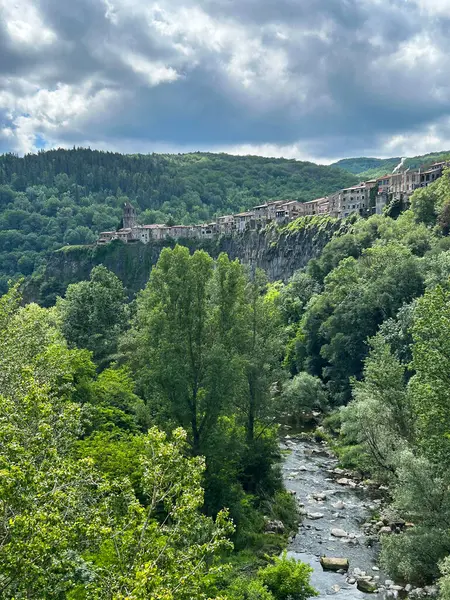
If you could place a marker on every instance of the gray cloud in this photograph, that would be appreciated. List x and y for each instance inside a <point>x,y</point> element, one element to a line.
<point>317,78</point>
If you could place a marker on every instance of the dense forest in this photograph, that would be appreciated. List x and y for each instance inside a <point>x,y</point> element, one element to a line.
<point>369,168</point>
<point>138,450</point>
<point>66,197</point>
<point>139,440</point>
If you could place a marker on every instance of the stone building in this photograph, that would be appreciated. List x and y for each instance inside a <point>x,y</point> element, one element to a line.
<point>243,220</point>
<point>225,224</point>
<point>354,199</point>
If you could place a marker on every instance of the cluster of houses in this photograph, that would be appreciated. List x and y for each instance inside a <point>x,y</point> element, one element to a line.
<point>363,199</point>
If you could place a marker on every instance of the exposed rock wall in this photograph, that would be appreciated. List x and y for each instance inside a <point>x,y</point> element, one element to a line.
<point>279,252</point>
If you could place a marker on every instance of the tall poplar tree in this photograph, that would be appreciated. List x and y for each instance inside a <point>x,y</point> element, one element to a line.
<point>181,345</point>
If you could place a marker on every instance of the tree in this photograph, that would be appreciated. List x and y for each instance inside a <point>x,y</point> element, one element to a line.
<point>262,350</point>
<point>93,314</point>
<point>379,418</point>
<point>179,345</point>
<point>357,297</point>
<point>431,383</point>
<point>423,205</point>
<point>287,579</point>
<point>303,394</point>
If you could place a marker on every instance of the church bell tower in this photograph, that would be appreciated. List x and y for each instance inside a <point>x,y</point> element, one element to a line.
<point>129,216</point>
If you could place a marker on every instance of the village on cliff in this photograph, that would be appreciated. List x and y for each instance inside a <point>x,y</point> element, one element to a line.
<point>363,199</point>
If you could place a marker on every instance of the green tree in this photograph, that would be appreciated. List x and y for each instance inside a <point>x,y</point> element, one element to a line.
<point>379,418</point>
<point>303,394</point>
<point>178,345</point>
<point>431,383</point>
<point>262,351</point>
<point>357,297</point>
<point>69,529</point>
<point>93,314</point>
<point>287,578</point>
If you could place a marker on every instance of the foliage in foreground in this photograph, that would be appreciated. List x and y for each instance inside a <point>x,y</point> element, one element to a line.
<point>69,531</point>
<point>99,504</point>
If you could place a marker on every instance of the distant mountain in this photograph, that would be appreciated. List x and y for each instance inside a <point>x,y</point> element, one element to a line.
<point>369,168</point>
<point>62,197</point>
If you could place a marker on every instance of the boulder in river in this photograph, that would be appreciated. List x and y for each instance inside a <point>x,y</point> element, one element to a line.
<point>320,497</point>
<point>385,530</point>
<point>339,533</point>
<point>330,563</point>
<point>367,586</point>
<point>346,481</point>
<point>315,515</point>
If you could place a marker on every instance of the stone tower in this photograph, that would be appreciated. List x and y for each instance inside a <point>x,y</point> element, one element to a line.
<point>129,216</point>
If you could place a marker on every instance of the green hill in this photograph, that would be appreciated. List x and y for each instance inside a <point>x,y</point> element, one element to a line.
<point>356,166</point>
<point>62,197</point>
<point>368,168</point>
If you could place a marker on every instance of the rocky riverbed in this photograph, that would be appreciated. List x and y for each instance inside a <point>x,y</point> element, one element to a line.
<point>338,522</point>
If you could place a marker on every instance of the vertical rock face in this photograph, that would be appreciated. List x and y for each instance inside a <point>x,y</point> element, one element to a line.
<point>280,252</point>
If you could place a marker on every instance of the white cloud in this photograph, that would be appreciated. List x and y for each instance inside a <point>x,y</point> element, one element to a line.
<point>434,7</point>
<point>303,80</point>
<point>24,24</point>
<point>432,138</point>
<point>152,72</point>
<point>48,112</point>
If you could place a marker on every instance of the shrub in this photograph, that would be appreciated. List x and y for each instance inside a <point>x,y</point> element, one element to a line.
<point>244,589</point>
<point>287,579</point>
<point>283,507</point>
<point>414,556</point>
<point>444,582</point>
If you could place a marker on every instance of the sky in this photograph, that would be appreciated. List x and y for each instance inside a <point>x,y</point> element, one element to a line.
<point>307,79</point>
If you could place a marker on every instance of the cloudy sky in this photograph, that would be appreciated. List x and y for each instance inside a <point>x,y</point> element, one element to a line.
<point>307,79</point>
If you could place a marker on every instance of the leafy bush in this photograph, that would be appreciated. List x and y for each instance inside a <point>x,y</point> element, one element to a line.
<point>244,589</point>
<point>302,394</point>
<point>283,507</point>
<point>444,582</point>
<point>287,579</point>
<point>414,555</point>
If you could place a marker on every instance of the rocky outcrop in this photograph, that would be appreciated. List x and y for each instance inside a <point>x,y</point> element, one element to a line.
<point>280,252</point>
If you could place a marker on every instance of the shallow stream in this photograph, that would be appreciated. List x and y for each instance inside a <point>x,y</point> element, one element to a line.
<point>308,471</point>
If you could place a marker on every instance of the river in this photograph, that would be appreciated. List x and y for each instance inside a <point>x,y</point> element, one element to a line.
<point>308,471</point>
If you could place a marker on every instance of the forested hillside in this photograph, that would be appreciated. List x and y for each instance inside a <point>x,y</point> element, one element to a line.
<point>369,168</point>
<point>356,166</point>
<point>62,197</point>
<point>371,319</point>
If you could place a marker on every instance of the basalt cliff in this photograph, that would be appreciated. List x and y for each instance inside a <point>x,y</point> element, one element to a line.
<point>279,251</point>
